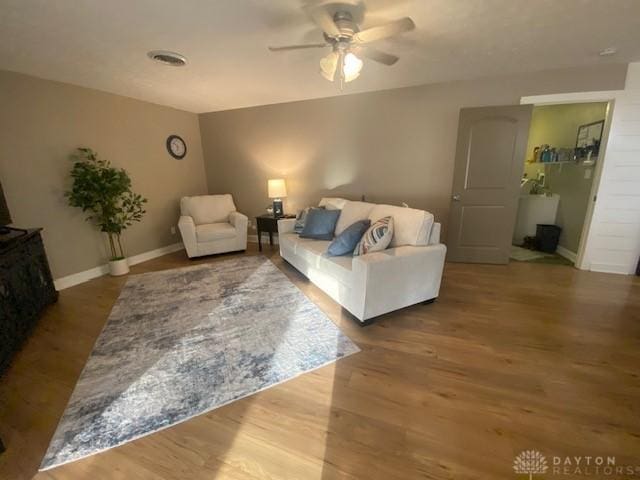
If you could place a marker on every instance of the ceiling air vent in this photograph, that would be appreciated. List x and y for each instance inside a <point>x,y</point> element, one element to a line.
<point>168,58</point>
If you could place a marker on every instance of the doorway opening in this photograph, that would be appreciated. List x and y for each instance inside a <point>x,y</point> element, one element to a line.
<point>557,188</point>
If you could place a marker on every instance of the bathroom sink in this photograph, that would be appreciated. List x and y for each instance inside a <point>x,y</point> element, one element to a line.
<point>532,210</point>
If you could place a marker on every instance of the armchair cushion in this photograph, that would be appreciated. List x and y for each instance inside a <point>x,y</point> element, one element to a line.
<point>215,231</point>
<point>206,209</point>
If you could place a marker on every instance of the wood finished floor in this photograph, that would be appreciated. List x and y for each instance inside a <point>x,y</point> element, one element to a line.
<point>512,357</point>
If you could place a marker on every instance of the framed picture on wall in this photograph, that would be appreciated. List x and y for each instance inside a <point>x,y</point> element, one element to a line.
<point>588,140</point>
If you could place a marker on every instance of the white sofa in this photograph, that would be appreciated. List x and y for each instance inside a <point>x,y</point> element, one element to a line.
<point>210,224</point>
<point>408,272</point>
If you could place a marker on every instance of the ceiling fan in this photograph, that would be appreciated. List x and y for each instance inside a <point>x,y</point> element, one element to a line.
<point>348,42</point>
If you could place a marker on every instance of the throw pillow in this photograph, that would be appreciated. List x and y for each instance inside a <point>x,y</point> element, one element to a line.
<point>301,219</point>
<point>377,237</point>
<point>320,224</point>
<point>346,242</point>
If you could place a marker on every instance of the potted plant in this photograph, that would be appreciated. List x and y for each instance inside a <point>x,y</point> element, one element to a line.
<point>105,192</point>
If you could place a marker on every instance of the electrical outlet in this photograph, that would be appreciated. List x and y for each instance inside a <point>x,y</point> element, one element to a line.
<point>173,230</point>
<point>587,174</point>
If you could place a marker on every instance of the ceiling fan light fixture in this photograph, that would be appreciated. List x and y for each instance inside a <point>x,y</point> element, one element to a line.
<point>351,67</point>
<point>328,65</point>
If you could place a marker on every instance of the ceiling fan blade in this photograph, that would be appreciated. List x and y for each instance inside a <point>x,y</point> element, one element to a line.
<point>377,55</point>
<point>298,47</point>
<point>323,18</point>
<point>329,65</point>
<point>383,31</point>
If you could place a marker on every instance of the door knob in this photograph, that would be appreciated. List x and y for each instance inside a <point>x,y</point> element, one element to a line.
<point>456,198</point>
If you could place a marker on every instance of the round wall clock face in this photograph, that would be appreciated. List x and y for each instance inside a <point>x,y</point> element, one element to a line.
<point>176,147</point>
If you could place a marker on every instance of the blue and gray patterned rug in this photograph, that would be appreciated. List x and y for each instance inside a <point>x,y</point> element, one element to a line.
<point>181,342</point>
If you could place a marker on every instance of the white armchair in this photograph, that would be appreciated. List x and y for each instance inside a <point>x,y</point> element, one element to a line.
<point>210,224</point>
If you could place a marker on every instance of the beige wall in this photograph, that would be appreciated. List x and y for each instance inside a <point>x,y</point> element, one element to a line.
<point>557,125</point>
<point>43,122</point>
<point>392,146</point>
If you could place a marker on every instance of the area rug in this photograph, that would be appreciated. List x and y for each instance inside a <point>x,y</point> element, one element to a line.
<point>181,342</point>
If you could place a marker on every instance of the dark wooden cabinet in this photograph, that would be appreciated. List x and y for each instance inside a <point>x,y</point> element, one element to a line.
<point>26,288</point>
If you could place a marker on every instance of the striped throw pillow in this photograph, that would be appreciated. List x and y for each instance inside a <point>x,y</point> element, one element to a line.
<point>377,237</point>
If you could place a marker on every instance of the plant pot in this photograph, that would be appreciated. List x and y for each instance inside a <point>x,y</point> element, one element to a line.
<point>118,267</point>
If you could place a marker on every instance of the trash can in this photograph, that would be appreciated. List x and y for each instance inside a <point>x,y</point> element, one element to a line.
<point>547,237</point>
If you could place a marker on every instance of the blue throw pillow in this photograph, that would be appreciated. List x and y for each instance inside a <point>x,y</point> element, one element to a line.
<point>301,219</point>
<point>346,242</point>
<point>320,224</point>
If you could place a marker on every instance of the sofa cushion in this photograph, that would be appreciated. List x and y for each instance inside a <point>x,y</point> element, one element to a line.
<point>351,213</point>
<point>320,224</point>
<point>214,231</point>
<point>338,267</point>
<point>332,203</point>
<point>314,253</point>
<point>207,208</point>
<point>377,237</point>
<point>411,226</point>
<point>346,242</point>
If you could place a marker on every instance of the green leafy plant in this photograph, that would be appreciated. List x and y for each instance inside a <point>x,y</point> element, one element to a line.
<point>105,192</point>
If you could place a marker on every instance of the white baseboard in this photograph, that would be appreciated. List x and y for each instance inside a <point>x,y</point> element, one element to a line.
<point>81,277</point>
<point>568,254</point>
<point>158,252</point>
<point>610,268</point>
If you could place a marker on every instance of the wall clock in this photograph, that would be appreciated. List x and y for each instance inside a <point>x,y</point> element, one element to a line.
<point>176,147</point>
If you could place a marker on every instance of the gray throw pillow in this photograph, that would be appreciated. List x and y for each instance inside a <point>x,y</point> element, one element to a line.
<point>345,243</point>
<point>320,224</point>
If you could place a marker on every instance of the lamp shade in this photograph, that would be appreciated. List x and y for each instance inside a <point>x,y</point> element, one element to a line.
<point>277,188</point>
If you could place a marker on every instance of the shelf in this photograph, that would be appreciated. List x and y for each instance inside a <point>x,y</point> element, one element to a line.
<point>591,161</point>
<point>553,163</point>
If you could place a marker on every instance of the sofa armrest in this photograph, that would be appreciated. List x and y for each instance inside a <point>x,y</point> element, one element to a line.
<point>285,225</point>
<point>397,277</point>
<point>187,228</point>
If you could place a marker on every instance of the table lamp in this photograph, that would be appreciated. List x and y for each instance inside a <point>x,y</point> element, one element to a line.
<point>277,191</point>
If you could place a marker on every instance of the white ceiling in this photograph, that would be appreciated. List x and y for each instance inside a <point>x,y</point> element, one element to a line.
<point>103,45</point>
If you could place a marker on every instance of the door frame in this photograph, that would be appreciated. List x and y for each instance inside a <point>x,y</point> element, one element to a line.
<point>608,96</point>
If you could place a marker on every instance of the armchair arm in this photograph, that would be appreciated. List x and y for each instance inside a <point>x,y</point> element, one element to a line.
<point>398,277</point>
<point>187,229</point>
<point>239,221</point>
<point>285,225</point>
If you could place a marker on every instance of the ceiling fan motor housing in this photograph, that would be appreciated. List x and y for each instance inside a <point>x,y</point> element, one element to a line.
<point>346,25</point>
